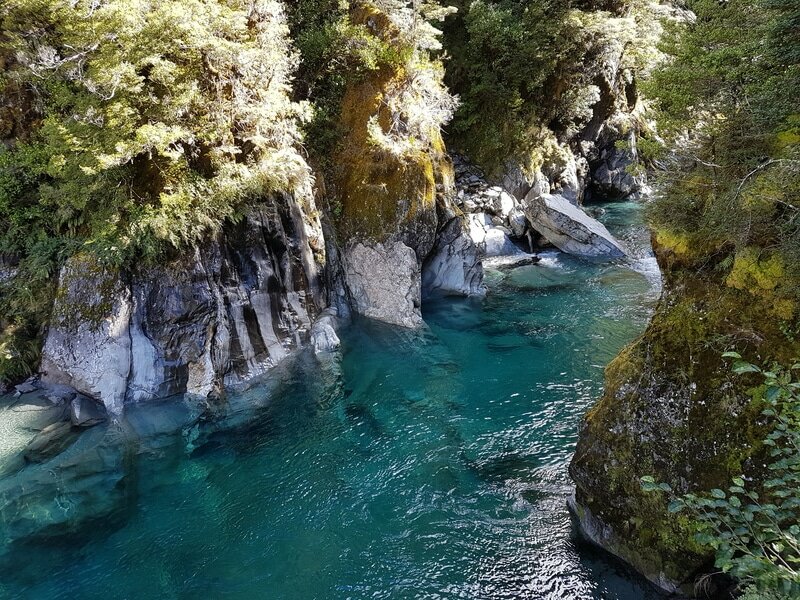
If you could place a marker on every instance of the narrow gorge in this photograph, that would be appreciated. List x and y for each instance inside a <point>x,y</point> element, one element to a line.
<point>399,299</point>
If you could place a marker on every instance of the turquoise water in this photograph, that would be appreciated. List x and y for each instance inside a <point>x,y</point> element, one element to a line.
<point>423,465</point>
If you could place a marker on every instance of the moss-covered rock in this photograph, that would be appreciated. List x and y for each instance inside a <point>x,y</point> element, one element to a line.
<point>673,410</point>
<point>383,191</point>
<point>391,171</point>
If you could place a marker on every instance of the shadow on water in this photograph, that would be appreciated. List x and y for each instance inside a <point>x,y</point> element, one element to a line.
<point>426,463</point>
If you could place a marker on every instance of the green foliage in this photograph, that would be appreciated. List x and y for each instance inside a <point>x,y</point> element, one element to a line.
<point>156,121</point>
<point>756,534</point>
<point>725,104</point>
<point>528,70</point>
<point>508,58</point>
<point>335,53</point>
<point>753,593</point>
<point>149,125</point>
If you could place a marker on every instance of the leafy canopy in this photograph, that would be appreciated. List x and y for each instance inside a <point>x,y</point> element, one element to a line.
<point>141,126</point>
<point>153,122</point>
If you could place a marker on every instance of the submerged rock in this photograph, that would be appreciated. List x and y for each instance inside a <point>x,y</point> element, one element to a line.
<point>50,442</point>
<point>85,412</point>
<point>570,229</point>
<point>70,481</point>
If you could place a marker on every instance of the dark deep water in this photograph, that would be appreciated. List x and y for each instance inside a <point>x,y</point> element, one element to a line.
<point>424,465</point>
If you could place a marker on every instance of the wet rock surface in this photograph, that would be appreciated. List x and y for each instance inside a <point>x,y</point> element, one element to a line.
<point>570,229</point>
<point>50,441</point>
<point>85,412</point>
<point>323,333</point>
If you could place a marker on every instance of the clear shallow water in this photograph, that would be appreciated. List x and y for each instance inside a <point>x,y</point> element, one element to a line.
<point>424,465</point>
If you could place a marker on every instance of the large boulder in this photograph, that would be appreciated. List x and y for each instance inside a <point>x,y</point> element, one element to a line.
<point>491,240</point>
<point>570,229</point>
<point>384,282</point>
<point>454,266</point>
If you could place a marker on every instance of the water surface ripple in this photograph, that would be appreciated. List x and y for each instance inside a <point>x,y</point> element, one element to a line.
<point>423,465</point>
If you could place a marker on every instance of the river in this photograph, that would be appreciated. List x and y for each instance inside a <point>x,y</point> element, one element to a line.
<point>420,465</point>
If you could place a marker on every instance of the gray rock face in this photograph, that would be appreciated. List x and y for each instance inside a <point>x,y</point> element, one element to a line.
<point>518,222</point>
<point>8,270</point>
<point>491,240</point>
<point>570,229</point>
<point>88,346</point>
<point>219,317</point>
<point>323,332</point>
<point>611,177</point>
<point>59,394</point>
<point>384,281</point>
<point>85,412</point>
<point>454,266</point>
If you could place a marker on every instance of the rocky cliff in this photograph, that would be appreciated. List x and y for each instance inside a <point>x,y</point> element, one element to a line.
<point>245,299</point>
<point>217,317</point>
<point>673,410</point>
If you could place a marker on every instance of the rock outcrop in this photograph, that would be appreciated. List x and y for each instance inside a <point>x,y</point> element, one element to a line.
<point>496,222</point>
<point>613,175</point>
<point>570,229</point>
<point>454,265</point>
<point>88,346</point>
<point>673,410</point>
<point>222,315</point>
<point>395,184</point>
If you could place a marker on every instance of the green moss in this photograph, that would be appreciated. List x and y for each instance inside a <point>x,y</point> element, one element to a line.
<point>385,184</point>
<point>671,409</point>
<point>763,274</point>
<point>86,293</point>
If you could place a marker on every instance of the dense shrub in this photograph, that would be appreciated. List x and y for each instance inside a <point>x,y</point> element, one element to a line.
<point>756,534</point>
<point>526,70</point>
<point>726,107</point>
